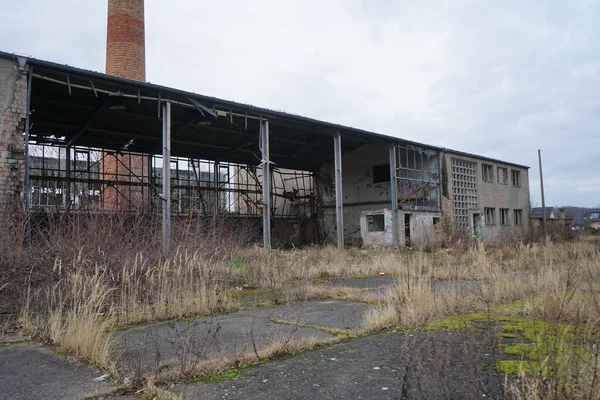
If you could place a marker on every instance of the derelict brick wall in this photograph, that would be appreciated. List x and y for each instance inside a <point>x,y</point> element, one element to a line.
<point>13,108</point>
<point>125,39</point>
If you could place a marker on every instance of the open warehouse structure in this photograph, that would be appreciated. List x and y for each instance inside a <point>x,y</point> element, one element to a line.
<point>78,140</point>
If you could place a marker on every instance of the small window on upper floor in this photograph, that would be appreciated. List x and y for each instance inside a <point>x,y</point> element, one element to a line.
<point>516,177</point>
<point>490,216</point>
<point>381,173</point>
<point>503,176</point>
<point>487,172</point>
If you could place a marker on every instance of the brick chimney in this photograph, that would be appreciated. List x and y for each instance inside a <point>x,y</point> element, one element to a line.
<point>125,57</point>
<point>125,39</point>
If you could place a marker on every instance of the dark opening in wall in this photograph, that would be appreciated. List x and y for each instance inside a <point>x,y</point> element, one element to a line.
<point>376,223</point>
<point>381,173</point>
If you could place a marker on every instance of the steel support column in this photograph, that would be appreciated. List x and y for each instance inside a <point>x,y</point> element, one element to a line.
<point>394,193</point>
<point>166,178</point>
<point>67,199</point>
<point>339,199</point>
<point>217,179</point>
<point>266,183</point>
<point>150,182</point>
<point>27,183</point>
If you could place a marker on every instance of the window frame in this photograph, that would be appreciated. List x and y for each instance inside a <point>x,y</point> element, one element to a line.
<point>371,219</point>
<point>380,169</point>
<point>518,216</point>
<point>504,216</point>
<point>504,175</point>
<point>489,212</point>
<point>517,173</point>
<point>490,169</point>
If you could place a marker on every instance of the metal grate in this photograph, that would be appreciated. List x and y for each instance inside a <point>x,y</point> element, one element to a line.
<point>80,178</point>
<point>464,191</point>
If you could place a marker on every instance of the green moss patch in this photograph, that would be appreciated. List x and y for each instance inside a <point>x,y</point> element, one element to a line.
<point>515,367</point>
<point>220,377</point>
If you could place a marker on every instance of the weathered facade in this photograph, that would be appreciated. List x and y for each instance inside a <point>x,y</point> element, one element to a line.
<point>326,182</point>
<point>438,192</point>
<point>489,198</point>
<point>13,105</point>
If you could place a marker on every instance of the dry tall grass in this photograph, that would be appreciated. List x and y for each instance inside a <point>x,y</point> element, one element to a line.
<point>89,274</point>
<point>557,284</point>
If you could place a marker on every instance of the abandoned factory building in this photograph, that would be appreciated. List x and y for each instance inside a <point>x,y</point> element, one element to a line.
<point>84,141</point>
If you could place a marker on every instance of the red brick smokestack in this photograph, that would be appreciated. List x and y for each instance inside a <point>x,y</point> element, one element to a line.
<point>125,40</point>
<point>125,57</point>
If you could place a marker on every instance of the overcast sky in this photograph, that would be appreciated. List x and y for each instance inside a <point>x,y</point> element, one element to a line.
<point>496,78</point>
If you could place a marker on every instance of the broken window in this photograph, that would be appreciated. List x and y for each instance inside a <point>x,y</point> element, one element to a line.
<point>502,175</point>
<point>418,178</point>
<point>490,216</point>
<point>516,177</point>
<point>504,216</point>
<point>381,173</point>
<point>518,217</point>
<point>375,223</point>
<point>487,172</point>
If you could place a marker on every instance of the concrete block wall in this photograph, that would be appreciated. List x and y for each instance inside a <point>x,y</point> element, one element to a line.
<point>494,195</point>
<point>360,193</point>
<point>363,197</point>
<point>13,108</point>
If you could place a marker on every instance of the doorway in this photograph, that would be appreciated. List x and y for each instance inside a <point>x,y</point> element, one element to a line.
<point>477,225</point>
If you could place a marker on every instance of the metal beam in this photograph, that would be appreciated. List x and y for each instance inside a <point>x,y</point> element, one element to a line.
<point>166,184</point>
<point>266,183</point>
<point>339,199</point>
<point>177,134</point>
<point>86,126</point>
<point>301,150</point>
<point>237,148</point>
<point>394,193</point>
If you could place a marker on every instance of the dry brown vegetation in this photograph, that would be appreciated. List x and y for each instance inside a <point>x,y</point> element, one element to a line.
<point>83,276</point>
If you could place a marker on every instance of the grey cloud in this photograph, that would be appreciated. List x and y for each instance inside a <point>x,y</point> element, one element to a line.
<point>498,78</point>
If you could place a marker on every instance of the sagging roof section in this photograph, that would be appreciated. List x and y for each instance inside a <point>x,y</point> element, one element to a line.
<point>76,106</point>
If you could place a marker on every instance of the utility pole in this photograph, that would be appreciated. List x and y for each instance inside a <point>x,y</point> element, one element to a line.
<point>542,188</point>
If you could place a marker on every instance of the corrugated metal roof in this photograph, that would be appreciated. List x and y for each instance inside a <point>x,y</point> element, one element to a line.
<point>538,212</point>
<point>307,133</point>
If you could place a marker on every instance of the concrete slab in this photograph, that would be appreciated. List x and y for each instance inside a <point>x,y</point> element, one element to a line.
<point>424,365</point>
<point>332,314</point>
<point>367,282</point>
<point>179,344</point>
<point>31,372</point>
